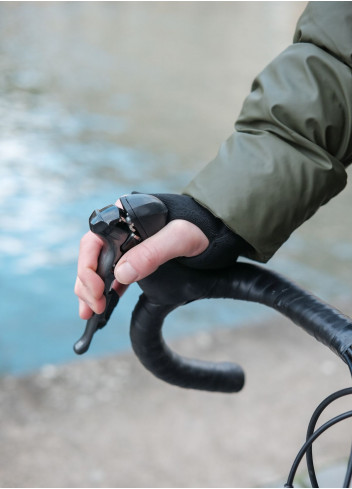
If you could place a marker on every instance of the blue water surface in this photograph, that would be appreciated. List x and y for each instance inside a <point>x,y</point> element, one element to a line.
<point>50,184</point>
<point>51,179</point>
<point>73,98</point>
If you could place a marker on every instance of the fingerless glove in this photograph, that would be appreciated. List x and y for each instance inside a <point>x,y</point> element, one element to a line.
<point>224,245</point>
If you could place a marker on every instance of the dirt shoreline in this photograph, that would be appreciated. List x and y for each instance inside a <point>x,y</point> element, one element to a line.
<point>110,423</point>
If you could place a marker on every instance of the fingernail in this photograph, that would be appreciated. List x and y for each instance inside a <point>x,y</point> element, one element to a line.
<point>125,273</point>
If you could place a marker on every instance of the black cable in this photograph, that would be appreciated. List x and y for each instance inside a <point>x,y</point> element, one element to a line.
<point>348,476</point>
<point>309,443</point>
<point>348,358</point>
<point>349,363</point>
<point>311,427</point>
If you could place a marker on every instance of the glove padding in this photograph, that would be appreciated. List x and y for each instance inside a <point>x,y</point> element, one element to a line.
<point>224,245</point>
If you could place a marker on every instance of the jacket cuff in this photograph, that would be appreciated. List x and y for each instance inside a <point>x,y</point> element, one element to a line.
<point>289,153</point>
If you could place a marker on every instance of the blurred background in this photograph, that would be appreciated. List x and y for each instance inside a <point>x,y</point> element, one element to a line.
<point>98,99</point>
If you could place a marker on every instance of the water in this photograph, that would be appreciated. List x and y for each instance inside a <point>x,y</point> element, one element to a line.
<point>46,200</point>
<point>98,99</point>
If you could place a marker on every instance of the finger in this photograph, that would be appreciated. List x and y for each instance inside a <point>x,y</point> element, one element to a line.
<point>90,286</point>
<point>90,247</point>
<point>85,312</point>
<point>87,306</point>
<point>94,303</point>
<point>177,238</point>
<point>120,289</point>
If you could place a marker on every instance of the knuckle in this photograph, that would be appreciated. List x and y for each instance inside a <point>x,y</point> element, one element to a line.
<point>179,226</point>
<point>81,279</point>
<point>76,291</point>
<point>192,239</point>
<point>84,239</point>
<point>78,288</point>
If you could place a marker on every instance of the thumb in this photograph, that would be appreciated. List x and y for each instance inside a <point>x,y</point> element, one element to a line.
<point>177,238</point>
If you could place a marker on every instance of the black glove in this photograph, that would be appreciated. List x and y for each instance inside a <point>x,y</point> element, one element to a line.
<point>224,245</point>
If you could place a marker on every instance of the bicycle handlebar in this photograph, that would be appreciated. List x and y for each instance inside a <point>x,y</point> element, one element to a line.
<point>243,281</point>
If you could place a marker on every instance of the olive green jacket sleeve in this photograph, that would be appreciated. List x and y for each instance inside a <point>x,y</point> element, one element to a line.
<point>293,138</point>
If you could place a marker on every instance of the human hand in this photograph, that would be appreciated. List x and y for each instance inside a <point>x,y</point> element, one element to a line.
<point>178,238</point>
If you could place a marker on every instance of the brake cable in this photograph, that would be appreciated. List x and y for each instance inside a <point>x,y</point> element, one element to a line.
<point>313,435</point>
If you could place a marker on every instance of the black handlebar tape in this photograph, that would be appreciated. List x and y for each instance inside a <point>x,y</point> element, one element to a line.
<point>252,283</point>
<point>151,349</point>
<point>244,282</point>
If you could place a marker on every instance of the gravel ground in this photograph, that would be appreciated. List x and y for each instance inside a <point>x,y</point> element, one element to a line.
<point>110,423</point>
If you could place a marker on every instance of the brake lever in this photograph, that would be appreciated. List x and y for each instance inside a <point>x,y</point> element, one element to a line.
<point>141,216</point>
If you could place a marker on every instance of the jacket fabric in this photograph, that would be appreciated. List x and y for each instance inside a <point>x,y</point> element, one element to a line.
<point>293,137</point>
